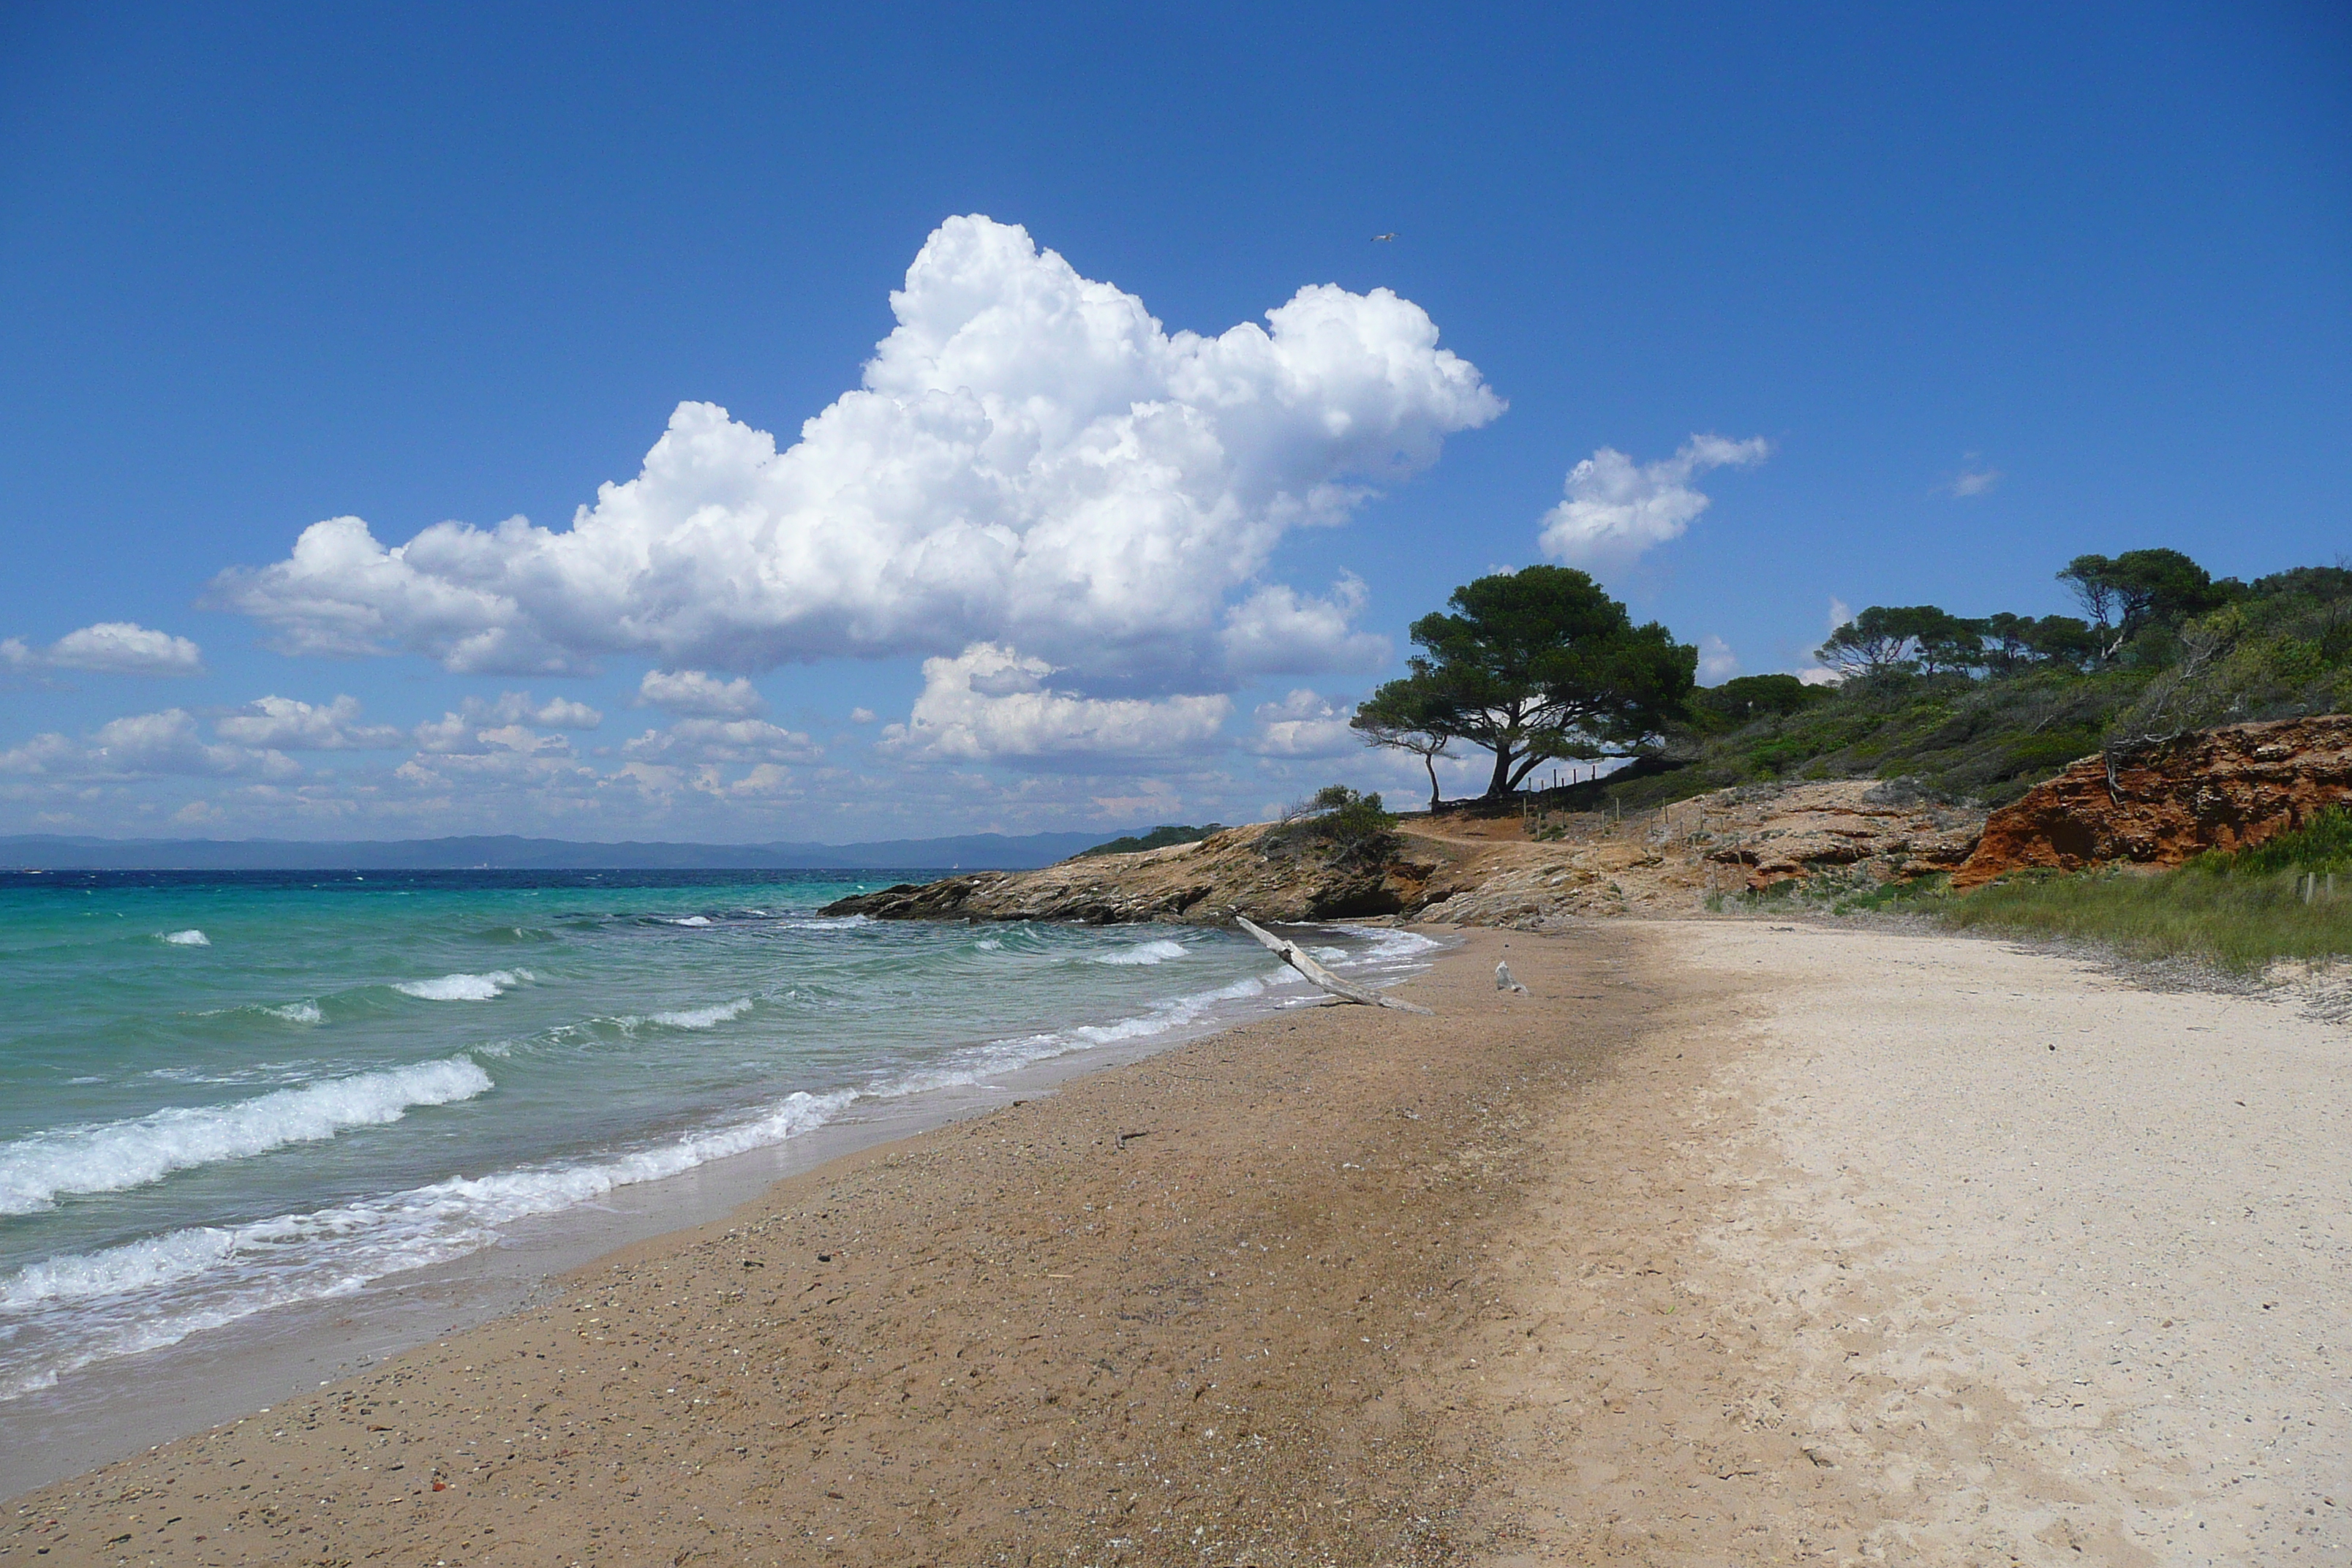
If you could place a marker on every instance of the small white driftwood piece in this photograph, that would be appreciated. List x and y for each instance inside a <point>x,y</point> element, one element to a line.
<point>1288,951</point>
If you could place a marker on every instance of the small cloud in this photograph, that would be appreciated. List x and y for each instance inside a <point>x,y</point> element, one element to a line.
<point>989,702</point>
<point>1279,631</point>
<point>1818,676</point>
<point>691,693</point>
<point>1716,662</point>
<point>1838,613</point>
<point>144,745</point>
<point>1303,725</point>
<point>861,715</point>
<point>295,726</point>
<point>109,647</point>
<point>722,741</point>
<point>504,723</point>
<point>523,708</point>
<point>1973,482</point>
<point>1615,509</point>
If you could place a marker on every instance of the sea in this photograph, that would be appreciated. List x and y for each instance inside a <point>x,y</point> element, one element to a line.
<point>227,1096</point>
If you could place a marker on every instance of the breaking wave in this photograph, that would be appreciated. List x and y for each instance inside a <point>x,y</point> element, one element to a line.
<point>464,987</point>
<point>1159,952</point>
<point>35,1172</point>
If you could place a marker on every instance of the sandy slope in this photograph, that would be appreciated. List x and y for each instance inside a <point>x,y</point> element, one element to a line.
<point>1962,1254</point>
<point>1733,1242</point>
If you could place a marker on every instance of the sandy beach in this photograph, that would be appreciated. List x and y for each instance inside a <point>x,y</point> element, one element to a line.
<point>1732,1242</point>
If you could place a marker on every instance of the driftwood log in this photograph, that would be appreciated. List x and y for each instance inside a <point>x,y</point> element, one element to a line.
<point>1289,952</point>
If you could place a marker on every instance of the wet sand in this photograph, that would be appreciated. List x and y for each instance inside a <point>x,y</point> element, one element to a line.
<point>1729,1244</point>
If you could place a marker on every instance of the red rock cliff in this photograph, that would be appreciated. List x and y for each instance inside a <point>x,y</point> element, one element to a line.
<point>2157,803</point>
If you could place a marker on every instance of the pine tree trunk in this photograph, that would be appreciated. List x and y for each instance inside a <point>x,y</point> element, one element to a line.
<point>1501,784</point>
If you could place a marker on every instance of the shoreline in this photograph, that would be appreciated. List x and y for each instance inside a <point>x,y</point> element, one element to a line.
<point>116,1408</point>
<point>1038,1216</point>
<point>1732,1242</point>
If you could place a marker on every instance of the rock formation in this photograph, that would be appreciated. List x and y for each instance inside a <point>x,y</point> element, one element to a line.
<point>1485,873</point>
<point>1251,871</point>
<point>2157,803</point>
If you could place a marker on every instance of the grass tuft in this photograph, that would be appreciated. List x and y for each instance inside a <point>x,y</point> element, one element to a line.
<point>2279,900</point>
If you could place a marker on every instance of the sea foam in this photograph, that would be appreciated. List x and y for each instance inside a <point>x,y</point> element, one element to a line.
<point>187,938</point>
<point>464,987</point>
<point>704,1017</point>
<point>215,1275</point>
<point>1142,952</point>
<point>109,1157</point>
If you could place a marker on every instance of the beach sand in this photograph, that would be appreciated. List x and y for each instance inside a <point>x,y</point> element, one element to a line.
<point>1730,1242</point>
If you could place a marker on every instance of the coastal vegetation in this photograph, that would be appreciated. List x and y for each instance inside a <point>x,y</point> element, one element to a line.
<point>2287,898</point>
<point>1983,707</point>
<point>1541,665</point>
<point>1535,666</point>
<point>1165,836</point>
<point>1338,822</point>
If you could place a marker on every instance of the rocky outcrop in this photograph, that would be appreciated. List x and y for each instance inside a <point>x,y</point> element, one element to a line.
<point>1856,831</point>
<point>1665,862</point>
<point>2157,803</point>
<point>1862,832</point>
<point>1251,871</point>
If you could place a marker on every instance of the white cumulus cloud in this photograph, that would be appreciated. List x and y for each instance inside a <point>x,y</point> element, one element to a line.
<point>510,721</point>
<point>694,693</point>
<point>1716,662</point>
<point>1616,509</point>
<point>1032,459</point>
<point>1302,724</point>
<point>989,702</point>
<point>144,745</point>
<point>722,741</point>
<point>109,647</point>
<point>295,726</point>
<point>1279,631</point>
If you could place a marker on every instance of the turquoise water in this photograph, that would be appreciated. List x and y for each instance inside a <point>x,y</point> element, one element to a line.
<point>222,1093</point>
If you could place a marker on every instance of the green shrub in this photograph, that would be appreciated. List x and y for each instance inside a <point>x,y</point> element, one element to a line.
<point>1160,837</point>
<point>2242,909</point>
<point>1336,819</point>
<point>2324,844</point>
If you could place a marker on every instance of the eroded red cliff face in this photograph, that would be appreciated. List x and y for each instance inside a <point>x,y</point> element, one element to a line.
<point>2157,803</point>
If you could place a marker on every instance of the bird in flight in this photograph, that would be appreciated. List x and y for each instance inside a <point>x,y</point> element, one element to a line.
<point>1378,237</point>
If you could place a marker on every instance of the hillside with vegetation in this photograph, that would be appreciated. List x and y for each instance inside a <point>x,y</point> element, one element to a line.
<point>1982,708</point>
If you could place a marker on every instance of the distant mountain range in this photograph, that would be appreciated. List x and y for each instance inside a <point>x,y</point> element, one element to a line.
<point>971,851</point>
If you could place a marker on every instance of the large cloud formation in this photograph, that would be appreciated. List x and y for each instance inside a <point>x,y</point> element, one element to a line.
<point>1033,461</point>
<point>1615,508</point>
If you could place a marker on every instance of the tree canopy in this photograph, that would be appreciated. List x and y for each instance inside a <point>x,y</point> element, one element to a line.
<point>1533,666</point>
<point>1923,639</point>
<point>1746,697</point>
<point>2141,588</point>
<point>1888,637</point>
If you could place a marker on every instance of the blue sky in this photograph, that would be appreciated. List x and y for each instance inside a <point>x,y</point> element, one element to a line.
<point>1961,293</point>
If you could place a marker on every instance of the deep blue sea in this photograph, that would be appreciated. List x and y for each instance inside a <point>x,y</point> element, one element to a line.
<point>221,1092</point>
